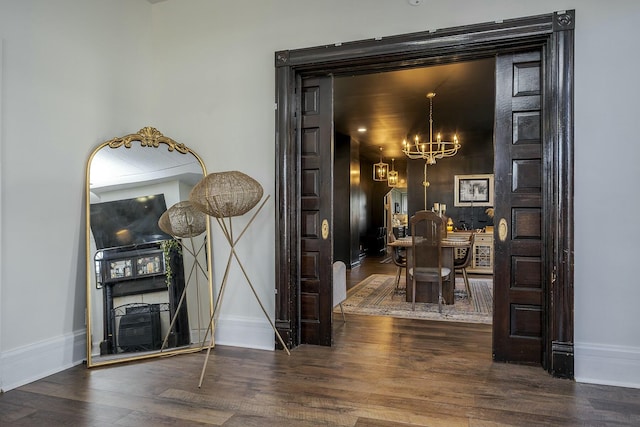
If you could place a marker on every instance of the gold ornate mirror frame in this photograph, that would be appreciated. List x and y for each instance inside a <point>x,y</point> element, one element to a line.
<point>148,293</point>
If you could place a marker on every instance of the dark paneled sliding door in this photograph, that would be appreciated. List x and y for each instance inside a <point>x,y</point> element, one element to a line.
<point>316,162</point>
<point>518,280</point>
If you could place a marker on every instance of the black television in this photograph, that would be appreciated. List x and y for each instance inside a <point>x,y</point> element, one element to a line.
<point>127,222</point>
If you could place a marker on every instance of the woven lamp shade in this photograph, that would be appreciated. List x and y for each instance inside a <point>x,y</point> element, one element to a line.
<point>182,220</point>
<point>226,194</point>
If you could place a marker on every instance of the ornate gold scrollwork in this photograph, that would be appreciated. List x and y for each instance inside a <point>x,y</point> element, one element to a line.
<point>148,137</point>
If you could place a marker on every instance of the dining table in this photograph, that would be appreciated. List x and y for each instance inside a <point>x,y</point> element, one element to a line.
<point>448,246</point>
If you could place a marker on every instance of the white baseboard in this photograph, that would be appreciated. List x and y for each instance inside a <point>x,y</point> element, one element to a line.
<point>35,361</point>
<point>32,362</point>
<point>607,365</point>
<point>244,332</point>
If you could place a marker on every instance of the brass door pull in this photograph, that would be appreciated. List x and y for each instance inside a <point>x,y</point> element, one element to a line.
<point>325,229</point>
<point>503,229</point>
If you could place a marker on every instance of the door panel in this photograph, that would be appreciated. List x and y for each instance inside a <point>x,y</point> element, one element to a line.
<point>315,207</point>
<point>519,308</point>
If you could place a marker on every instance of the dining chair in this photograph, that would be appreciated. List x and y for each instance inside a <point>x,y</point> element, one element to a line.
<point>399,257</point>
<point>463,260</point>
<point>339,285</point>
<point>427,231</point>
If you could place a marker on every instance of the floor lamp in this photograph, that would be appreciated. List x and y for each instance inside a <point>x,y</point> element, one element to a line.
<point>183,221</point>
<point>225,195</point>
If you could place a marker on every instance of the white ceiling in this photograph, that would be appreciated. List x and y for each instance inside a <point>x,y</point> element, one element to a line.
<point>122,167</point>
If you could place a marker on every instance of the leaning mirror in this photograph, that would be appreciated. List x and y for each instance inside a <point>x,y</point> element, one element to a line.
<point>149,290</point>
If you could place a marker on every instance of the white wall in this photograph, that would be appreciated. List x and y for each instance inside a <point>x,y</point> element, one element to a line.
<point>76,73</point>
<point>214,70</point>
<point>1,186</point>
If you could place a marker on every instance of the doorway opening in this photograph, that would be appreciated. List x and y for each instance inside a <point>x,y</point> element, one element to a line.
<point>373,114</point>
<point>537,60</point>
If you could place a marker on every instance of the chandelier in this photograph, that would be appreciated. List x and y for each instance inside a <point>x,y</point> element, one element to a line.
<point>380,170</point>
<point>392,177</point>
<point>431,150</point>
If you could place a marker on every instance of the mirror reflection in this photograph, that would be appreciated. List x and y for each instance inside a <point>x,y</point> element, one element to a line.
<point>396,218</point>
<point>148,293</point>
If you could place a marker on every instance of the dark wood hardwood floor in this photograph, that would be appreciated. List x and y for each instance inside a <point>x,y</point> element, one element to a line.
<point>369,265</point>
<point>379,372</point>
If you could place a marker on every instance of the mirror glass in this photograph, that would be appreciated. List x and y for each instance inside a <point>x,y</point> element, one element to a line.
<point>148,294</point>
<point>397,207</point>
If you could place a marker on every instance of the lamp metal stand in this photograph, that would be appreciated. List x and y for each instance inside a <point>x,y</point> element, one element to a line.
<point>227,230</point>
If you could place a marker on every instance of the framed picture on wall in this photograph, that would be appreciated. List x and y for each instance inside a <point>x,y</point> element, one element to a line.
<point>473,190</point>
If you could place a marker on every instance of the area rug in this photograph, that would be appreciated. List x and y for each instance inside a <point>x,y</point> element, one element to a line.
<point>376,296</point>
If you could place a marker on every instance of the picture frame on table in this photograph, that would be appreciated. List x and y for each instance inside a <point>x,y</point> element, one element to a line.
<point>473,190</point>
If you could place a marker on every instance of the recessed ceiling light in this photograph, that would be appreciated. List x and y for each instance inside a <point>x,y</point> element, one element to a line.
<point>362,129</point>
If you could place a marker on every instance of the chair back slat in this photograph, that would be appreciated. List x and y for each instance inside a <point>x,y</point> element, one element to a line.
<point>427,231</point>
<point>426,235</point>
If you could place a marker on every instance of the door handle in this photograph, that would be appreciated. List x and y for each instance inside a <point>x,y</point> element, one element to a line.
<point>503,229</point>
<point>325,229</point>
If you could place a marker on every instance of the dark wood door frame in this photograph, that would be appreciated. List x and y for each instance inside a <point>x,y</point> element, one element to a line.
<point>554,33</point>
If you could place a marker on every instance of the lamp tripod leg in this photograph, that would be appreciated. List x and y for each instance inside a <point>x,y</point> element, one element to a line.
<point>211,326</point>
<point>234,254</point>
<point>204,366</point>
<point>260,302</point>
<point>184,293</point>
<point>228,233</point>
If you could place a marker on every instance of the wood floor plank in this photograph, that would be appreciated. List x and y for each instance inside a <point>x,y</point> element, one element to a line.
<point>379,371</point>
